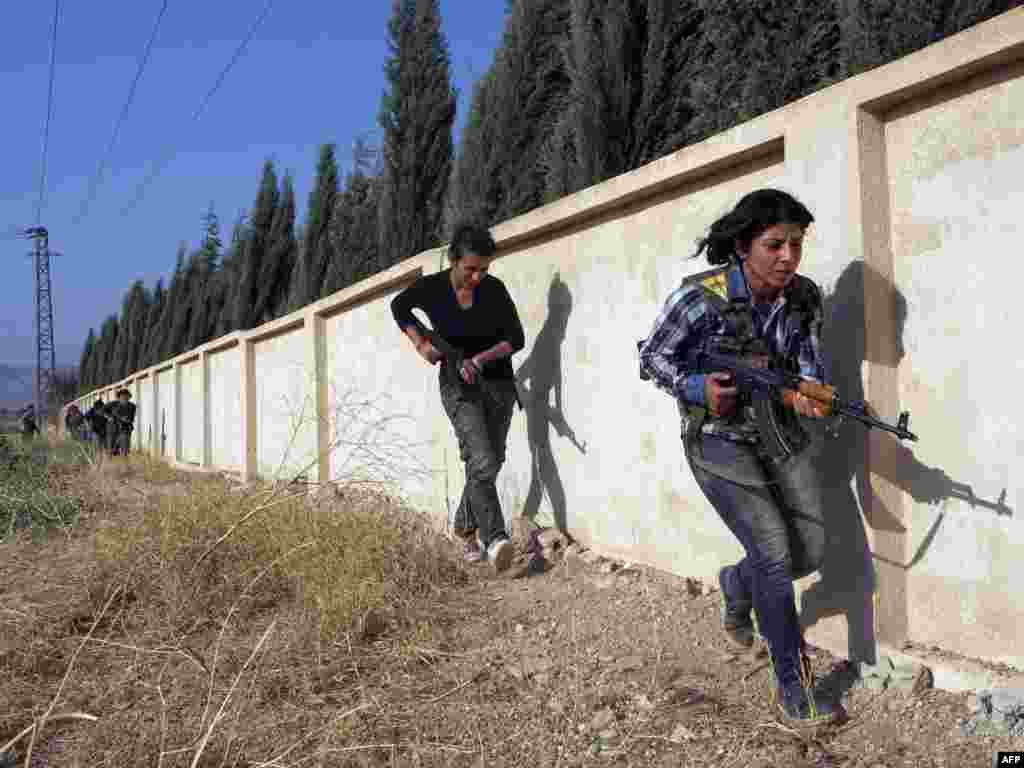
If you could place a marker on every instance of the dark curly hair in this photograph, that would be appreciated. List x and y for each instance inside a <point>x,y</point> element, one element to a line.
<point>753,214</point>
<point>470,236</point>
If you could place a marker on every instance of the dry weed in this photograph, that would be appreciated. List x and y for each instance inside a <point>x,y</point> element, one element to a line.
<point>210,653</point>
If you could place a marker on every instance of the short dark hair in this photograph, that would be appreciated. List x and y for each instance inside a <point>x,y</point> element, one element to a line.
<point>124,391</point>
<point>470,236</point>
<point>753,214</point>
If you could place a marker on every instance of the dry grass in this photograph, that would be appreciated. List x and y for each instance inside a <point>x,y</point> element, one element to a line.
<point>364,552</point>
<point>205,625</point>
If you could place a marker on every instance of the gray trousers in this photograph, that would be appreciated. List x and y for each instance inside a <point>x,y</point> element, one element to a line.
<point>121,443</point>
<point>481,426</point>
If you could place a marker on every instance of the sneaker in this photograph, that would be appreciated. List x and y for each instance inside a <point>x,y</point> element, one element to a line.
<point>801,707</point>
<point>472,552</point>
<point>736,622</point>
<point>500,554</point>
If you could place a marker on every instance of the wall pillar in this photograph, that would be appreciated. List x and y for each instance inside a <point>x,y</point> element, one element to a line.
<point>250,464</point>
<point>156,429</point>
<point>206,453</point>
<point>137,394</point>
<point>176,451</point>
<point>884,507</point>
<point>314,331</point>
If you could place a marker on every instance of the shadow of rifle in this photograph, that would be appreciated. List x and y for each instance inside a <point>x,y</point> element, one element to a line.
<point>964,492</point>
<point>953,490</point>
<point>557,421</point>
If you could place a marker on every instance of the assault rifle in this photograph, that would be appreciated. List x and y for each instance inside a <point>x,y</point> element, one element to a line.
<point>453,359</point>
<point>766,382</point>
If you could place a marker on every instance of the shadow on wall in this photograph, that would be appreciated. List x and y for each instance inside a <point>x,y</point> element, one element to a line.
<point>542,370</point>
<point>847,575</point>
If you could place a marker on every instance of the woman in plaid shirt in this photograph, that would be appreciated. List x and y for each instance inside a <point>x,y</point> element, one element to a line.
<point>773,509</point>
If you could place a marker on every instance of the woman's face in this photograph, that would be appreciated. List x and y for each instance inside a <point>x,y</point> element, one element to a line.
<point>772,258</point>
<point>470,270</point>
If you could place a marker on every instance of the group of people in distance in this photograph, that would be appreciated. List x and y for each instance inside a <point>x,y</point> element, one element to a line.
<point>773,507</point>
<point>110,424</point>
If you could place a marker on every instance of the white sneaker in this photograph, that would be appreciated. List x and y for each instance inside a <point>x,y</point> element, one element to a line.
<point>500,554</point>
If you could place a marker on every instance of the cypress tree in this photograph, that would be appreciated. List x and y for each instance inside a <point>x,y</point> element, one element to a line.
<point>246,300</point>
<point>118,354</point>
<point>85,361</point>
<point>316,249</point>
<point>207,288</point>
<point>231,273</point>
<point>108,343</point>
<point>132,329</point>
<point>504,155</point>
<point>176,296</point>
<point>186,305</point>
<point>475,192</point>
<point>151,347</point>
<point>280,254</point>
<point>417,112</point>
<point>354,234</point>
<point>875,32</point>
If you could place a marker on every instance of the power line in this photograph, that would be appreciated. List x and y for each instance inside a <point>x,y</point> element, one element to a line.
<point>40,204</point>
<point>98,176</point>
<point>140,191</point>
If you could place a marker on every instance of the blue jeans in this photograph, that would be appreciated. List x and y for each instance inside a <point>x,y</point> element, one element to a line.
<point>781,527</point>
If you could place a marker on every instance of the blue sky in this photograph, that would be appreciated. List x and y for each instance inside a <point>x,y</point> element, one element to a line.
<point>313,73</point>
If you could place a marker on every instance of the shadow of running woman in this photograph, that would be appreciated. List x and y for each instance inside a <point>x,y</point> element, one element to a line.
<point>539,374</point>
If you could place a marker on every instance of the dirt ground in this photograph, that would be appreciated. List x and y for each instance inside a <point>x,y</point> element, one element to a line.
<point>575,664</point>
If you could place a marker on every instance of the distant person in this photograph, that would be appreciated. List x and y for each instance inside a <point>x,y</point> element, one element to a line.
<point>122,423</point>
<point>29,428</point>
<point>97,418</point>
<point>474,313</point>
<point>73,421</point>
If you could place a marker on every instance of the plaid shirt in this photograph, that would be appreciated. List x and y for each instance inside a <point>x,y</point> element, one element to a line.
<point>688,319</point>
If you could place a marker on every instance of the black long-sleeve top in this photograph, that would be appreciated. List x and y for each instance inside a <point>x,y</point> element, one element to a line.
<point>491,320</point>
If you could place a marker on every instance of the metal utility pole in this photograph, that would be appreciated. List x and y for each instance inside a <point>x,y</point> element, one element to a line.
<point>45,355</point>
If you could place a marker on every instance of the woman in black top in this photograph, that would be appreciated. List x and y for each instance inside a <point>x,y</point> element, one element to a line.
<point>473,312</point>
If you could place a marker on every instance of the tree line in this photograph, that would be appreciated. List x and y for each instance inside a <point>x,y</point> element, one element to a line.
<point>578,91</point>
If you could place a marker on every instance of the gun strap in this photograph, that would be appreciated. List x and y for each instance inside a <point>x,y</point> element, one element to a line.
<point>691,437</point>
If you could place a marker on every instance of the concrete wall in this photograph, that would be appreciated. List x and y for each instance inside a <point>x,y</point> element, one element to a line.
<point>165,415</point>
<point>955,164</point>
<point>909,171</point>
<point>286,416</point>
<point>225,371</point>
<point>190,423</point>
